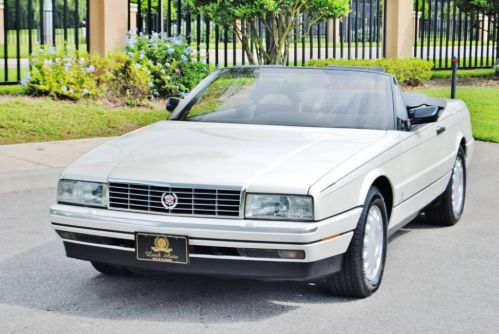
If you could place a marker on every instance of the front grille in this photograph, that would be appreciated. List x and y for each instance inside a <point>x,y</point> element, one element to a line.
<point>191,201</point>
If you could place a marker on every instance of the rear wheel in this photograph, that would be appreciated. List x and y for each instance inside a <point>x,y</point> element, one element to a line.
<point>448,208</point>
<point>364,261</point>
<point>110,269</point>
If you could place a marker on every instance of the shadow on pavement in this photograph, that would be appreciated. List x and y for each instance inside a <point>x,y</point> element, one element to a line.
<point>42,278</point>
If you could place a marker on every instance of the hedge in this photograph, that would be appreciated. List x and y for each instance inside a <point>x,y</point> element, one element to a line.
<point>409,72</point>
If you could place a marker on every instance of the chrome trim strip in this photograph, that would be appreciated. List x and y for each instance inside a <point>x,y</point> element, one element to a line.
<point>205,256</point>
<point>244,258</point>
<point>100,245</point>
<point>93,232</point>
<point>173,185</point>
<point>227,227</point>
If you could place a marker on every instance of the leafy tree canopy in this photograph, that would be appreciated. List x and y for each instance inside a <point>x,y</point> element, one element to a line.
<point>278,19</point>
<point>491,7</point>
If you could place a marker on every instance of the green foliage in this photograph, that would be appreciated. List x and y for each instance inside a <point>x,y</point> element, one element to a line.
<point>491,7</point>
<point>279,18</point>
<point>169,60</point>
<point>409,72</point>
<point>149,67</point>
<point>129,81</point>
<point>65,74</point>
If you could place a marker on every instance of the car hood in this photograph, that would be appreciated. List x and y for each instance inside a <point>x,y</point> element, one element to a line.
<point>260,158</point>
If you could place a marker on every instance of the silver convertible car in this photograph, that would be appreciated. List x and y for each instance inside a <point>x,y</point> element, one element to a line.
<point>270,173</point>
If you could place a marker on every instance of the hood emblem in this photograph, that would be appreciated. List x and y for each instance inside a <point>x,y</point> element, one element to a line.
<point>169,200</point>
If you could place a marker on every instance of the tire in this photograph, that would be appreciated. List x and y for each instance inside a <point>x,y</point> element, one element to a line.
<point>110,269</point>
<point>355,280</point>
<point>444,210</point>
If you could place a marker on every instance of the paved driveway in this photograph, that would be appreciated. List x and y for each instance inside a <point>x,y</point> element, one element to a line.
<point>437,280</point>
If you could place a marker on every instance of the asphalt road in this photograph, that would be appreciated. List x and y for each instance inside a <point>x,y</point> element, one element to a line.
<point>442,280</point>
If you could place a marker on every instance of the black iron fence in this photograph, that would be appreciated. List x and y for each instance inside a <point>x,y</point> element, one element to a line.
<point>28,24</point>
<point>356,36</point>
<point>443,31</point>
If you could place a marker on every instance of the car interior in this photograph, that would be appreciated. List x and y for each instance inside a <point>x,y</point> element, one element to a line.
<point>295,102</point>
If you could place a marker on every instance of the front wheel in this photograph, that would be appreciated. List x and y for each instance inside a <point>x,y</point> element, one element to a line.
<point>364,262</point>
<point>448,208</point>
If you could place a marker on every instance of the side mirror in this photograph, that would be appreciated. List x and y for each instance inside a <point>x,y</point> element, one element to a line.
<point>423,115</point>
<point>172,103</point>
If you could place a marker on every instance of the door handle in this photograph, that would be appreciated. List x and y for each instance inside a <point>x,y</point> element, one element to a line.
<point>440,129</point>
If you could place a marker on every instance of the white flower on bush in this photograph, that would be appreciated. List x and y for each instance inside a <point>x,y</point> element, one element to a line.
<point>85,92</point>
<point>177,41</point>
<point>89,69</point>
<point>137,66</point>
<point>64,89</point>
<point>167,64</point>
<point>26,79</point>
<point>170,50</point>
<point>184,58</point>
<point>130,42</point>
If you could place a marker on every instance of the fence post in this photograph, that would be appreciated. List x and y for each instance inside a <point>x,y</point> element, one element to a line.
<point>483,22</point>
<point>399,28</point>
<point>108,25</point>
<point>453,88</point>
<point>134,8</point>
<point>2,18</point>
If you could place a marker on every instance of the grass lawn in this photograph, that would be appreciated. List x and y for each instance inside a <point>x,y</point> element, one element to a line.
<point>483,103</point>
<point>27,119</point>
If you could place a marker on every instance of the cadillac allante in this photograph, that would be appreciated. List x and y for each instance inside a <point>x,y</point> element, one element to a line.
<point>270,173</point>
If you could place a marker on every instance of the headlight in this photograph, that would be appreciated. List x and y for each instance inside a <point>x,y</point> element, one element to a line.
<point>82,193</point>
<point>279,207</point>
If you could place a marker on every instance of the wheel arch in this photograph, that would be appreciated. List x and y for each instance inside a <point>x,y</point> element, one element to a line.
<point>382,182</point>
<point>462,144</point>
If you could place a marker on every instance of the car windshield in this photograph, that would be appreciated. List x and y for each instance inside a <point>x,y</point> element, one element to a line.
<point>310,97</point>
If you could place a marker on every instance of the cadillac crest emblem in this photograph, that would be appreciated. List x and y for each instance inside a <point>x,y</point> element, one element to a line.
<point>161,244</point>
<point>169,200</point>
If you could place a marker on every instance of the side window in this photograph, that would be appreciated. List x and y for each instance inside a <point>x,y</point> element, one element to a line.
<point>400,107</point>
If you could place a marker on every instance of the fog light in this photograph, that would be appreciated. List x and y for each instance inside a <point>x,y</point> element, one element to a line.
<point>291,254</point>
<point>67,235</point>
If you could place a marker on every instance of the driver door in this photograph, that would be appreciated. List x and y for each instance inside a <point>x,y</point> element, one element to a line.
<point>424,157</point>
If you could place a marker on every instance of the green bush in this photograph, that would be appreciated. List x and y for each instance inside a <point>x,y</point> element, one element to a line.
<point>149,67</point>
<point>409,72</point>
<point>170,62</point>
<point>66,74</point>
<point>129,81</point>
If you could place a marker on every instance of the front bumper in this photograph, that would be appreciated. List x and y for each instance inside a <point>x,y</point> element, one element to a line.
<point>108,236</point>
